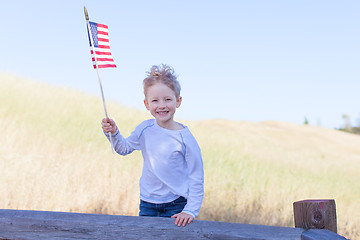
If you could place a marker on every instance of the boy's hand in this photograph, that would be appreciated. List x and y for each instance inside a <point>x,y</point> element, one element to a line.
<point>182,218</point>
<point>108,125</point>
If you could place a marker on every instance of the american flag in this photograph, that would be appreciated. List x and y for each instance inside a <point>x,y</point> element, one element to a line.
<point>100,36</point>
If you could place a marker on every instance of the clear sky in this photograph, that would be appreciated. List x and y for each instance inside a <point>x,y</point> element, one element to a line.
<point>241,60</point>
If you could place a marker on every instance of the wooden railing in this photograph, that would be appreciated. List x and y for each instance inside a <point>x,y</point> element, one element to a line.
<point>34,225</point>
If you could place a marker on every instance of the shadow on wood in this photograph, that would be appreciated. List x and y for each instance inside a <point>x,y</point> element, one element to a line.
<point>31,225</point>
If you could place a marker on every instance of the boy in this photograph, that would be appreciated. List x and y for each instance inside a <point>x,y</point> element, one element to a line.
<point>172,181</point>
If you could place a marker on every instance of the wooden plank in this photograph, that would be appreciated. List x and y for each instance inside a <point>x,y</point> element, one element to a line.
<point>320,214</point>
<point>317,234</point>
<point>31,225</point>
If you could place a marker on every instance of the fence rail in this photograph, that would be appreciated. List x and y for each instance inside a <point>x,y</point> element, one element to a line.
<point>31,225</point>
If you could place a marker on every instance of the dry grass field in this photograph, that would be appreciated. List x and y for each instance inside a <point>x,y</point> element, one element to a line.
<point>54,156</point>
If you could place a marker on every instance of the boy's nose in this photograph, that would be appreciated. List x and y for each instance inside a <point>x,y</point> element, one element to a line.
<point>162,104</point>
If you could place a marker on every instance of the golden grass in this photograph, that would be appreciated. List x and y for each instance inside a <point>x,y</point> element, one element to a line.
<point>54,156</point>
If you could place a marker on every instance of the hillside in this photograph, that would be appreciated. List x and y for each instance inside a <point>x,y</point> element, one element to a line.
<point>54,156</point>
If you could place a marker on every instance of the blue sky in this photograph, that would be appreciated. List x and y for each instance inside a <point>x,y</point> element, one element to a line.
<point>240,60</point>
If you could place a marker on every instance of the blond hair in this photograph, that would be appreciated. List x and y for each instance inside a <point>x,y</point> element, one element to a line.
<point>162,74</point>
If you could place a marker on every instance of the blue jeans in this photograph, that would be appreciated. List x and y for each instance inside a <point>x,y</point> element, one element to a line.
<point>162,209</point>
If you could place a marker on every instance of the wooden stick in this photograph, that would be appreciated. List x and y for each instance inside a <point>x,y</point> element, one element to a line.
<point>97,70</point>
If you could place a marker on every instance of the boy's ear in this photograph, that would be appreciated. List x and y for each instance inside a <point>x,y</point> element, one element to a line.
<point>146,105</point>
<point>178,102</point>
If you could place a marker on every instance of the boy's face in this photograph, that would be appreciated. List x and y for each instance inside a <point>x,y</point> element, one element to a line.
<point>161,101</point>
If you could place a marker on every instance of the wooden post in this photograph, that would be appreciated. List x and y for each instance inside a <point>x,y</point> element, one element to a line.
<point>315,214</point>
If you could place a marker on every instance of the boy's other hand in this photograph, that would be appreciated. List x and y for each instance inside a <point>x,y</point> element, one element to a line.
<point>182,219</point>
<point>108,125</point>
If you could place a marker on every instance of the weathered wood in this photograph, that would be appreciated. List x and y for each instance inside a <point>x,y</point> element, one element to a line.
<point>319,214</point>
<point>31,225</point>
<point>320,234</point>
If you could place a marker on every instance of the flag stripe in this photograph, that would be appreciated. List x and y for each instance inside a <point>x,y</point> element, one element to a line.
<point>105,66</point>
<point>103,46</point>
<point>103,40</point>
<point>101,53</point>
<point>100,36</point>
<point>102,25</point>
<point>103,59</point>
<point>103,33</point>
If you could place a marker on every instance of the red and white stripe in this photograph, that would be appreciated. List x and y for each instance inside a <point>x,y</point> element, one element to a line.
<point>103,53</point>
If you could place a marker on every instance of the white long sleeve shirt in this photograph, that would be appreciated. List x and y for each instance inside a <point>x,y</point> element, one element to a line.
<point>172,167</point>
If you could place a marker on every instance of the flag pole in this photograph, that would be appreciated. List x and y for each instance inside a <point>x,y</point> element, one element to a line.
<point>97,70</point>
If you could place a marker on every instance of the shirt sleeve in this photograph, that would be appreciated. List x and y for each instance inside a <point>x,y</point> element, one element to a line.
<point>196,176</point>
<point>125,146</point>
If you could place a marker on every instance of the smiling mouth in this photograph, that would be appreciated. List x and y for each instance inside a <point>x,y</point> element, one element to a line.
<point>163,113</point>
